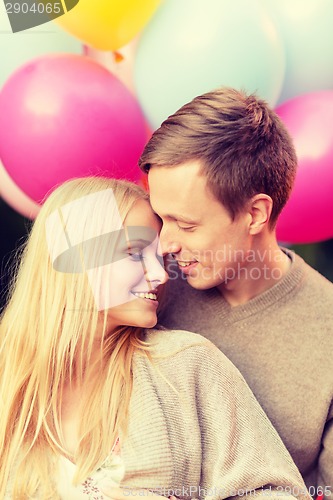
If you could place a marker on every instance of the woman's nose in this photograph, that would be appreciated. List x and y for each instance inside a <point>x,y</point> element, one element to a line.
<point>154,269</point>
<point>156,273</point>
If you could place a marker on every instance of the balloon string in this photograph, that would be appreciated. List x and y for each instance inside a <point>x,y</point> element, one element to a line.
<point>118,57</point>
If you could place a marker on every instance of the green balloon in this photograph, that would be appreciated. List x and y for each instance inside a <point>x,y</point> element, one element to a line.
<point>193,46</point>
<point>305,28</point>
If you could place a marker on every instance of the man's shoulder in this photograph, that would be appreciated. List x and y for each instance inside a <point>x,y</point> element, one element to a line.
<point>313,282</point>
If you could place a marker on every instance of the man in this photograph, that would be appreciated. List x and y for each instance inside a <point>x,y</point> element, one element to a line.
<point>220,171</point>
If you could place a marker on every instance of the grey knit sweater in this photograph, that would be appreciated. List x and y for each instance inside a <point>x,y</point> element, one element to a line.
<point>282,342</point>
<point>196,430</point>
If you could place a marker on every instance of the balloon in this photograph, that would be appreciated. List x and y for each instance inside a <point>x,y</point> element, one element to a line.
<point>305,28</point>
<point>307,216</point>
<point>64,117</point>
<point>193,46</point>
<point>19,48</point>
<point>15,197</point>
<point>107,24</point>
<point>119,62</point>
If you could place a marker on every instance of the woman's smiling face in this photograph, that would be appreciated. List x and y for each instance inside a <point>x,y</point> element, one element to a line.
<point>127,286</point>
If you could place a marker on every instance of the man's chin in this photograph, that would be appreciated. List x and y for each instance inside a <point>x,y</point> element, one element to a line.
<point>200,283</point>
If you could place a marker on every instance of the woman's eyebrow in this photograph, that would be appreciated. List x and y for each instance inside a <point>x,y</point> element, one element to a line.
<point>138,235</point>
<point>139,242</point>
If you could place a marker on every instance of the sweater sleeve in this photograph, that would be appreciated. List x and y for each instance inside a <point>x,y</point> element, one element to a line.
<point>325,466</point>
<point>242,454</point>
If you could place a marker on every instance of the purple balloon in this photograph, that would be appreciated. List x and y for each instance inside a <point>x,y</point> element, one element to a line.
<point>65,116</point>
<point>307,216</point>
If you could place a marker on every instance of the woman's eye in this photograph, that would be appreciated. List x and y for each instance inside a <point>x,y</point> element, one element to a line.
<point>136,255</point>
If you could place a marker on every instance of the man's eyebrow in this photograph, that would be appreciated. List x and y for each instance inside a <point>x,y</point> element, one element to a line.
<point>182,218</point>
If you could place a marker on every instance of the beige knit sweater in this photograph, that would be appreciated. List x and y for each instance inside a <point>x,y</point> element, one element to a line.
<point>282,342</point>
<point>197,431</point>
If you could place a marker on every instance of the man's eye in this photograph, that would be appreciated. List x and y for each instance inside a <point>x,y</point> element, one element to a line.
<point>185,228</point>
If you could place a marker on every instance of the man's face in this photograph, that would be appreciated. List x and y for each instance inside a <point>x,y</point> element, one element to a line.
<point>198,231</point>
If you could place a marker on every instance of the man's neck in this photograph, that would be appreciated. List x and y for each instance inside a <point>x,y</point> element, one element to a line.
<point>265,265</point>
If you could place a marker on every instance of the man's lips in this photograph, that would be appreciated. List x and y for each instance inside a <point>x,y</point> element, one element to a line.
<point>186,265</point>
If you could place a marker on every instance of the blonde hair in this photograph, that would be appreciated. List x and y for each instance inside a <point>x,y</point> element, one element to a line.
<point>46,336</point>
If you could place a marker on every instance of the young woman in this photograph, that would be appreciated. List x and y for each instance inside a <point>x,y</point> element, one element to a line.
<point>92,396</point>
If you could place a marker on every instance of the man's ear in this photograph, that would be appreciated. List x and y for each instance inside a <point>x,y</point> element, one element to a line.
<point>260,209</point>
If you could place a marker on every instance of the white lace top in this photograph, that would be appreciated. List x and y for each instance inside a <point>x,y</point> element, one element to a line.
<point>109,474</point>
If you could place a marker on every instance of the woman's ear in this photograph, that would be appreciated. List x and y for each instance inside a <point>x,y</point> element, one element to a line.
<point>260,209</point>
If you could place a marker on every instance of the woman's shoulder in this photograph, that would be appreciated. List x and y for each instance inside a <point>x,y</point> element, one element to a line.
<point>184,344</point>
<point>180,353</point>
<point>163,339</point>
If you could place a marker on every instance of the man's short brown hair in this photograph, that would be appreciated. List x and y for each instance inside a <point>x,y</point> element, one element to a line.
<point>242,145</point>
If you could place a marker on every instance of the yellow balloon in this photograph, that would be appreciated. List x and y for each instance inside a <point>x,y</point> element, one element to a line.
<point>107,24</point>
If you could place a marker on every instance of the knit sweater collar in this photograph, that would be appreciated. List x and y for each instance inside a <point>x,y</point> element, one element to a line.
<point>223,310</point>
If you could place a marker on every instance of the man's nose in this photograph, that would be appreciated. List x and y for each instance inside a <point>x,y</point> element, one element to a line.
<point>169,241</point>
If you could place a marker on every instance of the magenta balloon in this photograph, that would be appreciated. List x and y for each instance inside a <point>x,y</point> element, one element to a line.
<point>66,116</point>
<point>308,216</point>
<point>15,197</point>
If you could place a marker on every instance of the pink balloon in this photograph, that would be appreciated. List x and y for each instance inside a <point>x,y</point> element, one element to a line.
<point>15,197</point>
<point>65,116</point>
<point>120,63</point>
<point>307,216</point>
